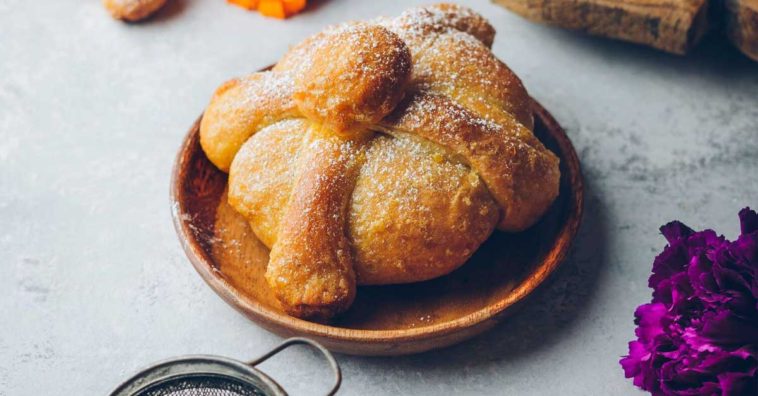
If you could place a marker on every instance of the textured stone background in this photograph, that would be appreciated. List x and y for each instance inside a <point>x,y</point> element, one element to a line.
<point>95,285</point>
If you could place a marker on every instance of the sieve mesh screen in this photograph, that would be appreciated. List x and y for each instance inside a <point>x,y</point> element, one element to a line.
<point>201,386</point>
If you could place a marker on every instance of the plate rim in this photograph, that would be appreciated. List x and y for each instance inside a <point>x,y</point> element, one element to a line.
<point>261,314</point>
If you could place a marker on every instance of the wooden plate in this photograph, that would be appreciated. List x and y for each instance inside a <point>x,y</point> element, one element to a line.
<point>383,320</point>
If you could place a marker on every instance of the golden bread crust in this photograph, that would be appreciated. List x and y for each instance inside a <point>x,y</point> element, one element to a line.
<point>239,108</point>
<point>357,78</point>
<point>408,193</point>
<point>379,153</point>
<point>473,77</point>
<point>296,60</point>
<point>415,213</point>
<point>422,22</point>
<point>260,184</point>
<point>524,185</point>
<point>311,266</point>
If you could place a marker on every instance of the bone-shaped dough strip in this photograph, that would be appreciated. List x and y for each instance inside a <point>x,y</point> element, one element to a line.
<point>311,266</point>
<point>239,108</point>
<point>521,174</point>
<point>353,80</point>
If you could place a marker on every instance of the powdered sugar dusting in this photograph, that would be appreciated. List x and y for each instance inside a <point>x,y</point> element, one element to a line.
<point>455,144</point>
<point>439,19</point>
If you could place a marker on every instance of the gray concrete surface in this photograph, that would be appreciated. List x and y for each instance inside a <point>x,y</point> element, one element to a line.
<point>94,284</point>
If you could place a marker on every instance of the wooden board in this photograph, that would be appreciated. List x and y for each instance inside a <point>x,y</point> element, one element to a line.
<point>670,25</point>
<point>741,25</point>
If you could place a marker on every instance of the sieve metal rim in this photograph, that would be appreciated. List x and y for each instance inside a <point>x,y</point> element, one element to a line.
<point>219,366</point>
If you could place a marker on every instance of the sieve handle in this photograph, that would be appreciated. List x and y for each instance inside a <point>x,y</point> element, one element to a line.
<point>305,341</point>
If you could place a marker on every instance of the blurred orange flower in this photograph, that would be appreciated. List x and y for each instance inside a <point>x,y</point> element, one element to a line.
<point>273,8</point>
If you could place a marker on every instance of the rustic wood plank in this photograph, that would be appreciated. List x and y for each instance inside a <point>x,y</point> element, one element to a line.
<point>670,25</point>
<point>741,23</point>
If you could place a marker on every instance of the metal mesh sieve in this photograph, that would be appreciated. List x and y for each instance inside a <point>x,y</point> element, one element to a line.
<point>202,386</point>
<point>215,376</point>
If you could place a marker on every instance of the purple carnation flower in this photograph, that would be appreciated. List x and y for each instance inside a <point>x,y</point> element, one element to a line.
<point>699,334</point>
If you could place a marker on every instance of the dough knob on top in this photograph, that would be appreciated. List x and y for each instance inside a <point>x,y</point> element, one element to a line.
<point>354,79</point>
